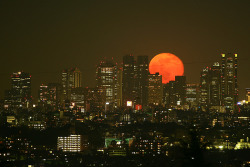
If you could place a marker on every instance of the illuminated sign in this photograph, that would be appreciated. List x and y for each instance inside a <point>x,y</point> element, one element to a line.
<point>129,103</point>
<point>138,107</point>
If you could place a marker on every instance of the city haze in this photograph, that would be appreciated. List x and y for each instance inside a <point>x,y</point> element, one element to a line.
<point>45,37</point>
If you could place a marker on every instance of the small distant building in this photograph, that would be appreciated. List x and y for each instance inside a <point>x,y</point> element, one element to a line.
<point>39,125</point>
<point>72,143</point>
<point>147,146</point>
<point>11,119</point>
<point>242,144</point>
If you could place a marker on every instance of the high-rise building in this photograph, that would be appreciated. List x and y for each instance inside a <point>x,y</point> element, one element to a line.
<point>192,95</point>
<point>106,76</point>
<point>175,92</point>
<point>43,95</point>
<point>155,89</point>
<point>215,85</point>
<point>229,81</point>
<point>141,80</point>
<point>169,96</point>
<point>128,79</point>
<point>71,78</point>
<point>21,89</point>
<point>204,88</point>
<point>180,89</point>
<point>50,95</point>
<point>135,80</point>
<point>119,87</point>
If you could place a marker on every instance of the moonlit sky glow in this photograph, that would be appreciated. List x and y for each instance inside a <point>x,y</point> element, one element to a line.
<point>44,37</point>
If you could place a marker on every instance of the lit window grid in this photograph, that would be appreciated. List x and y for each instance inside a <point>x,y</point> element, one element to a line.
<point>70,144</point>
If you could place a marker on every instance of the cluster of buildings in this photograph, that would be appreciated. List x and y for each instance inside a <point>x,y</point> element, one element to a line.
<point>131,85</point>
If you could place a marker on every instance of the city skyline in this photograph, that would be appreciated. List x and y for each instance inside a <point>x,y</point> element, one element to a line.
<point>45,43</point>
<point>60,76</point>
<point>124,83</point>
<point>133,83</point>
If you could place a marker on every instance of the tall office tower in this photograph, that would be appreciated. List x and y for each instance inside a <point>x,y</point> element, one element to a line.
<point>50,95</point>
<point>180,89</point>
<point>229,81</point>
<point>155,89</point>
<point>215,85</point>
<point>43,94</point>
<point>141,80</point>
<point>192,94</point>
<point>119,87</point>
<point>21,89</point>
<point>175,92</point>
<point>248,94</point>
<point>55,95</point>
<point>106,77</point>
<point>169,96</point>
<point>204,88</point>
<point>71,78</point>
<point>128,79</point>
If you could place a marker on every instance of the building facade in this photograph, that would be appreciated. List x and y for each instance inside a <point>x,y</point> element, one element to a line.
<point>229,81</point>
<point>20,93</point>
<point>72,143</point>
<point>141,80</point>
<point>71,78</point>
<point>128,79</point>
<point>155,89</point>
<point>106,77</point>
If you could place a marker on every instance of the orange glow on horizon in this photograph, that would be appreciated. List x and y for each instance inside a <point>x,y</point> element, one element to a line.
<point>168,65</point>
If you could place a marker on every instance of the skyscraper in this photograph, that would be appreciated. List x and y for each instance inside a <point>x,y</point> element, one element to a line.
<point>21,89</point>
<point>71,78</point>
<point>180,89</point>
<point>169,96</point>
<point>106,76</point>
<point>155,89</point>
<point>128,79</point>
<point>175,92</point>
<point>119,87</point>
<point>204,88</point>
<point>135,80</point>
<point>43,95</point>
<point>192,95</point>
<point>229,81</point>
<point>215,85</point>
<point>50,95</point>
<point>141,80</point>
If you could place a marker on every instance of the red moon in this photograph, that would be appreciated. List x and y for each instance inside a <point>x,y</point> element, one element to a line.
<point>168,65</point>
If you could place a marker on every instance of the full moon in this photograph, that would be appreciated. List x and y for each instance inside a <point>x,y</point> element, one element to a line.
<point>168,65</point>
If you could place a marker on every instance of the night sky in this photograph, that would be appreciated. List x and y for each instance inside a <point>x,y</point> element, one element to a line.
<point>44,37</point>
